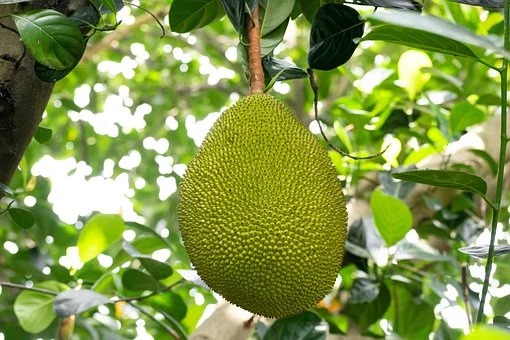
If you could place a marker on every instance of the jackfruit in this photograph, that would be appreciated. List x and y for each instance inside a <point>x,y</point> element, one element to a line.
<point>261,210</point>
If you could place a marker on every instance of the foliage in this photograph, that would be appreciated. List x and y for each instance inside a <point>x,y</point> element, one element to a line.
<point>90,217</point>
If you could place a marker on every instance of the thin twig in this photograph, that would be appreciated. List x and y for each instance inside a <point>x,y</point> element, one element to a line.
<point>33,289</point>
<point>465,293</point>
<point>254,58</point>
<point>170,330</point>
<point>159,291</point>
<point>315,88</point>
<point>248,323</point>
<point>151,14</point>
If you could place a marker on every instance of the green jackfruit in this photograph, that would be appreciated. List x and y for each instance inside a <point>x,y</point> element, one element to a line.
<point>261,210</point>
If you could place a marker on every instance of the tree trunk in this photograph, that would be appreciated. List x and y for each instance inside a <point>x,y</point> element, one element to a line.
<point>23,97</point>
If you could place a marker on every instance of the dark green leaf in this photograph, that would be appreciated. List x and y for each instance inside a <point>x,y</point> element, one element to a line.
<point>42,135</point>
<point>157,269</point>
<point>169,302</point>
<point>146,230</point>
<point>134,279</point>
<point>306,325</point>
<point>502,322</point>
<point>310,9</point>
<point>186,16</point>
<point>99,233</point>
<point>269,42</point>
<point>73,302</point>
<point>493,165</point>
<point>464,115</point>
<point>34,310</point>
<point>175,324</point>
<point>335,30</point>
<point>369,301</point>
<point>283,69</point>
<point>22,217</point>
<point>446,179</point>
<point>484,3</point>
<point>482,252</point>
<point>52,38</point>
<point>50,75</point>
<point>235,10</point>
<point>392,217</point>
<point>429,33</point>
<point>502,305</point>
<point>410,5</point>
<point>85,18</point>
<point>6,190</point>
<point>412,318</point>
<point>108,6</point>
<point>273,13</point>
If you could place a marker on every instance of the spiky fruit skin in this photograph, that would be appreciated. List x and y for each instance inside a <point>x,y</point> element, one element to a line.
<point>261,211</point>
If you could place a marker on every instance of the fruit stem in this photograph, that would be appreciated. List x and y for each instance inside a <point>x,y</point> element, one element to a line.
<point>255,61</point>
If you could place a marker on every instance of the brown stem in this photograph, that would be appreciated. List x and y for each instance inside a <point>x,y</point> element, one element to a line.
<point>255,61</point>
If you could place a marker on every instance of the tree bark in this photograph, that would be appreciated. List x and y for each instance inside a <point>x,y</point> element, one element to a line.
<point>23,97</point>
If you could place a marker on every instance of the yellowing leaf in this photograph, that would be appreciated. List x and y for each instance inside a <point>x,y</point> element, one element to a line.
<point>409,71</point>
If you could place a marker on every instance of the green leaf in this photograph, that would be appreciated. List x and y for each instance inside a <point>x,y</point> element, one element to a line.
<point>368,302</point>
<point>110,4</point>
<point>52,38</point>
<point>273,13</point>
<point>170,303</point>
<point>143,244</point>
<point>484,3</point>
<point>430,33</point>
<point>283,69</point>
<point>157,269</point>
<point>410,5</point>
<point>464,115</point>
<point>306,325</point>
<point>99,233</point>
<point>310,9</point>
<point>6,190</point>
<point>42,135</point>
<point>446,179</point>
<point>485,332</point>
<point>412,318</point>
<point>410,71</point>
<point>392,217</point>
<point>235,10</point>
<point>134,279</point>
<point>493,165</point>
<point>35,310</point>
<point>482,252</point>
<point>49,75</point>
<point>419,251</point>
<point>269,42</point>
<point>332,38</point>
<point>502,305</point>
<point>73,302</point>
<point>22,217</point>
<point>186,16</point>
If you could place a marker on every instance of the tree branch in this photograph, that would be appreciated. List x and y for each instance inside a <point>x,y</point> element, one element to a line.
<point>255,61</point>
<point>33,289</point>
